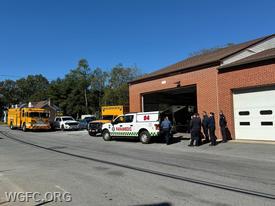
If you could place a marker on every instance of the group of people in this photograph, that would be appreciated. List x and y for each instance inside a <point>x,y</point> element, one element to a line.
<point>209,126</point>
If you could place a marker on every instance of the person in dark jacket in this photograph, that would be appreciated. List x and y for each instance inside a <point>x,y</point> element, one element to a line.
<point>212,127</point>
<point>205,128</point>
<point>195,128</point>
<point>223,125</point>
<point>166,126</point>
<point>190,130</point>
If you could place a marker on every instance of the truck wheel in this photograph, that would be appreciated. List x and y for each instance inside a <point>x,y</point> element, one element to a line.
<point>11,126</point>
<point>62,128</point>
<point>106,135</point>
<point>145,137</point>
<point>24,128</point>
<point>92,134</point>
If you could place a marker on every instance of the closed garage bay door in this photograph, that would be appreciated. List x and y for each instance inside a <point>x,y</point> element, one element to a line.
<point>254,114</point>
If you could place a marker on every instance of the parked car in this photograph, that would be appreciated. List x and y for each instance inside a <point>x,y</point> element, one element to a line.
<point>84,123</point>
<point>66,123</point>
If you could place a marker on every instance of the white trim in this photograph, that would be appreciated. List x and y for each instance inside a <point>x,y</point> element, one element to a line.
<point>262,46</point>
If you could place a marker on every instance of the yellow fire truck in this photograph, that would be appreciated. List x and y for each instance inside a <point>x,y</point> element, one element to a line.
<point>108,113</point>
<point>28,118</point>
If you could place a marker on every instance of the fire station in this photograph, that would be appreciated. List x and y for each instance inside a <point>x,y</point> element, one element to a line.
<point>238,79</point>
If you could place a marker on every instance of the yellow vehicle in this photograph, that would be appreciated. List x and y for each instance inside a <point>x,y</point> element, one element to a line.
<point>108,113</point>
<point>28,118</point>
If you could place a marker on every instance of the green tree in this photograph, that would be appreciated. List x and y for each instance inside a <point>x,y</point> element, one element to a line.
<point>98,84</point>
<point>32,88</point>
<point>8,93</point>
<point>72,92</point>
<point>117,91</point>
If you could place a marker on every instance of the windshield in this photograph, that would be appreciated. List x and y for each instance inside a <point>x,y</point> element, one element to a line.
<point>39,114</point>
<point>107,117</point>
<point>89,119</point>
<point>67,119</point>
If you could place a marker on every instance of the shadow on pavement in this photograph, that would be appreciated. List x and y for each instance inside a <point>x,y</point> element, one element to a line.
<point>157,204</point>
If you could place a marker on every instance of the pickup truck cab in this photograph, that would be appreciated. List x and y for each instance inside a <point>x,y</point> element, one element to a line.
<point>142,125</point>
<point>66,123</point>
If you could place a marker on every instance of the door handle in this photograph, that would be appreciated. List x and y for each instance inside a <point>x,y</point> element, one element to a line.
<point>131,125</point>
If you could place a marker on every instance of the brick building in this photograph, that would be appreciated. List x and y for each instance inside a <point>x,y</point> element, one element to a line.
<point>239,80</point>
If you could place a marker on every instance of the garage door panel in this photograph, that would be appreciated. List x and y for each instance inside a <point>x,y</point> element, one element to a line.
<point>254,115</point>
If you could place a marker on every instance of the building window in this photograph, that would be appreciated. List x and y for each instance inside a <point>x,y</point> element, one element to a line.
<point>266,112</point>
<point>244,123</point>
<point>267,123</point>
<point>242,113</point>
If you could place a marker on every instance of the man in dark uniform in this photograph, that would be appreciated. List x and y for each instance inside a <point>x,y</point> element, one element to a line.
<point>205,126</point>
<point>223,125</point>
<point>195,128</point>
<point>166,126</point>
<point>212,127</point>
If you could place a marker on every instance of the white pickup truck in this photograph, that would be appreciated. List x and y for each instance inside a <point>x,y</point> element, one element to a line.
<point>143,125</point>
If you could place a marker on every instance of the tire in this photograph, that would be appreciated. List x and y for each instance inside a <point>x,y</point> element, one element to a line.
<point>106,135</point>
<point>62,128</point>
<point>11,126</point>
<point>145,137</point>
<point>24,128</point>
<point>92,134</point>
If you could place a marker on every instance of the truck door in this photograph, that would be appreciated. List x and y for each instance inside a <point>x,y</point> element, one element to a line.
<point>129,126</point>
<point>123,126</point>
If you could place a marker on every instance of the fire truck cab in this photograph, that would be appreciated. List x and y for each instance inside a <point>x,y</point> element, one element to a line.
<point>28,118</point>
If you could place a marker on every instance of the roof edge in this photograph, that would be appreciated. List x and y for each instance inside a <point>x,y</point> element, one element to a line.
<point>180,71</point>
<point>246,62</point>
<point>264,38</point>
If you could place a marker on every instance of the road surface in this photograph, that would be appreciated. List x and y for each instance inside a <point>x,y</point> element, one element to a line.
<point>123,172</point>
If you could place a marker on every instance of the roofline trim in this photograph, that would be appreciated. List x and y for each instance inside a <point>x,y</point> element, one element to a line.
<point>246,62</point>
<point>261,40</point>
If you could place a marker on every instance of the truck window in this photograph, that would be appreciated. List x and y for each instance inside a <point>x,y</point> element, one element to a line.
<point>129,118</point>
<point>107,117</point>
<point>34,114</point>
<point>67,119</point>
<point>39,114</point>
<point>120,119</point>
<point>44,115</point>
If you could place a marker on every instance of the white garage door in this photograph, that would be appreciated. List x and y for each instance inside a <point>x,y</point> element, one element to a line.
<point>254,114</point>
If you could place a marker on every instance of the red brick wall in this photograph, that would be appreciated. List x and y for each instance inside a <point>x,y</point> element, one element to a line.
<point>248,77</point>
<point>205,80</point>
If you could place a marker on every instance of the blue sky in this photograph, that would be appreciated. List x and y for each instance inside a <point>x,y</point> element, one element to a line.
<point>50,36</point>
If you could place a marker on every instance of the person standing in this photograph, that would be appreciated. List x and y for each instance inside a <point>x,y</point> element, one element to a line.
<point>223,125</point>
<point>212,127</point>
<point>195,128</point>
<point>166,126</point>
<point>205,128</point>
<point>191,131</point>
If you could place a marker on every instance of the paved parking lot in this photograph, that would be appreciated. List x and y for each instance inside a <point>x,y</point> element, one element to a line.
<point>125,172</point>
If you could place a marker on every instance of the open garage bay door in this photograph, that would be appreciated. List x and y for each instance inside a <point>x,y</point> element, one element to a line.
<point>254,114</point>
<point>179,104</point>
